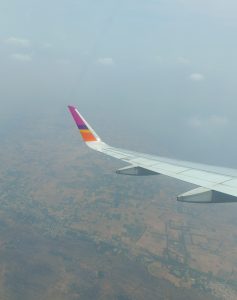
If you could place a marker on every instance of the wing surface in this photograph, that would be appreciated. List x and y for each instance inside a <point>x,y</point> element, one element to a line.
<point>218,179</point>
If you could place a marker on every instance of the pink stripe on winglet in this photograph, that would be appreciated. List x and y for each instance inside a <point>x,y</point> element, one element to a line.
<point>76,116</point>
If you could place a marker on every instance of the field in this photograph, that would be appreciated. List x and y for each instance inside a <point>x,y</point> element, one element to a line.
<point>73,229</point>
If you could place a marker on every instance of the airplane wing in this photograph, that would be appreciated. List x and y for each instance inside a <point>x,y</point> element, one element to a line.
<point>216,184</point>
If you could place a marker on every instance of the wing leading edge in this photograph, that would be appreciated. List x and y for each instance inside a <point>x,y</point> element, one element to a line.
<point>217,185</point>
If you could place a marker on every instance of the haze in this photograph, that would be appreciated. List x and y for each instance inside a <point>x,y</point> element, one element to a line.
<point>153,76</point>
<point>162,72</point>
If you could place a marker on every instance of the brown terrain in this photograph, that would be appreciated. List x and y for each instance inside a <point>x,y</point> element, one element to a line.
<point>72,229</point>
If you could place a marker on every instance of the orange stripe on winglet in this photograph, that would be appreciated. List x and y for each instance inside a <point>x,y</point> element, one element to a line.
<point>87,136</point>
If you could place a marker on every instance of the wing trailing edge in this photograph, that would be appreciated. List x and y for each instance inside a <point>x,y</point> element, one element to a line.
<point>216,184</point>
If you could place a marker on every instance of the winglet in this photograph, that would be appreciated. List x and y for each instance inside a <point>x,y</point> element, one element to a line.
<point>86,131</point>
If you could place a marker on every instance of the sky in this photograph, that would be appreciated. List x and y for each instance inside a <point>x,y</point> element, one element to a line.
<point>152,75</point>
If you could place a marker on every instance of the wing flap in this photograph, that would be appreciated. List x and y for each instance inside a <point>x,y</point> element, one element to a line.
<point>187,173</point>
<point>212,178</point>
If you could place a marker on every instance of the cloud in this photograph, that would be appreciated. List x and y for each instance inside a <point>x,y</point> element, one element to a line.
<point>196,77</point>
<point>183,60</point>
<point>18,42</point>
<point>106,61</point>
<point>208,123</point>
<point>21,57</point>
